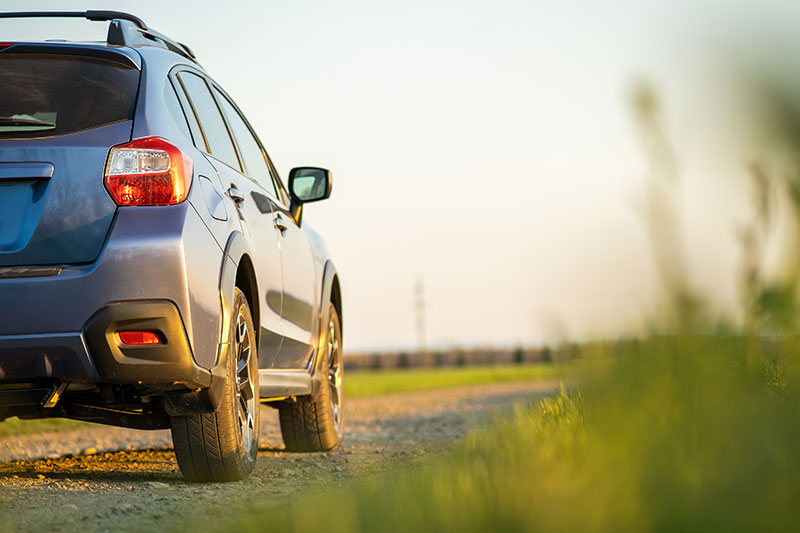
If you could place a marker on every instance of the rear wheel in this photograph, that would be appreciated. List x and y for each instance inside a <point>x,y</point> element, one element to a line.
<point>315,424</point>
<point>223,445</point>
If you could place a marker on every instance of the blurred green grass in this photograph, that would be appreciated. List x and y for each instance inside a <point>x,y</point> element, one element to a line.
<point>676,432</point>
<point>15,426</point>
<point>376,382</point>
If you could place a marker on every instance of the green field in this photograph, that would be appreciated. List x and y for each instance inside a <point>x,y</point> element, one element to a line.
<point>667,433</point>
<point>376,382</point>
<point>15,426</point>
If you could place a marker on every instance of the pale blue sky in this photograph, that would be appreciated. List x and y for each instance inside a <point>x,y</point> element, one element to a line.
<point>484,146</point>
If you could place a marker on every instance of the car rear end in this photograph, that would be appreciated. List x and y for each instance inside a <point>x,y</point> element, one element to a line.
<point>95,239</point>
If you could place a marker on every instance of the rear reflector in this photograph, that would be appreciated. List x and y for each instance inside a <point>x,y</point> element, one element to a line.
<point>138,338</point>
<point>148,171</point>
<point>3,46</point>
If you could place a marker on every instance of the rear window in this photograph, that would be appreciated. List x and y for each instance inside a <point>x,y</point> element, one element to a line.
<point>44,94</point>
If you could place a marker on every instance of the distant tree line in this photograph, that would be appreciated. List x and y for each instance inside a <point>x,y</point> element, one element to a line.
<point>454,357</point>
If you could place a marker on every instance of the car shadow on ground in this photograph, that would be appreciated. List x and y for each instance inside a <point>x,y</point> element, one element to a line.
<point>142,465</point>
<point>149,464</point>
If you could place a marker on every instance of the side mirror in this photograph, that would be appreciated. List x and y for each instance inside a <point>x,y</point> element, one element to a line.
<point>310,184</point>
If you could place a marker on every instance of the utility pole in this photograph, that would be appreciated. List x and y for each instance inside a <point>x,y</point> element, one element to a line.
<point>419,308</point>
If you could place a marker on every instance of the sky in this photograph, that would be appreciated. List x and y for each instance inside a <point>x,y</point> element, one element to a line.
<point>483,149</point>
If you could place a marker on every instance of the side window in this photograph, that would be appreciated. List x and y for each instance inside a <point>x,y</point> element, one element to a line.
<point>194,126</point>
<point>252,156</point>
<point>174,106</point>
<point>214,129</point>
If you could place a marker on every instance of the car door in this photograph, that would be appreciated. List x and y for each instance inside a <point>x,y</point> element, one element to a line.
<point>301,293</point>
<point>254,211</point>
<point>299,305</point>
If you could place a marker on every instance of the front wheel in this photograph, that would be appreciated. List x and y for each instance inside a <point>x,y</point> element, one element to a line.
<point>223,445</point>
<point>315,424</point>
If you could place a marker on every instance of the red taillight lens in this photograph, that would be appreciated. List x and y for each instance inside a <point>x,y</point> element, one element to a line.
<point>3,46</point>
<point>138,338</point>
<point>148,171</point>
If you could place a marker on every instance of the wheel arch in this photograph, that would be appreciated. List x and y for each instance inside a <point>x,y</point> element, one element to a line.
<point>331,292</point>
<point>336,300</point>
<point>236,268</point>
<point>247,283</point>
<point>238,271</point>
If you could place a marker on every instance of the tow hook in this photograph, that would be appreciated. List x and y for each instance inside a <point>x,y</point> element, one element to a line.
<point>51,399</point>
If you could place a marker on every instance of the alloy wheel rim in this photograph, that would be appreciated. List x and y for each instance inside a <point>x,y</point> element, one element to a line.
<point>245,387</point>
<point>335,377</point>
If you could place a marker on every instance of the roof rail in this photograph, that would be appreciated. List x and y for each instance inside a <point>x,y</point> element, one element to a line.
<point>125,29</point>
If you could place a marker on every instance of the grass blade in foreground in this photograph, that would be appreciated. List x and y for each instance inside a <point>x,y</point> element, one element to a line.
<point>678,432</point>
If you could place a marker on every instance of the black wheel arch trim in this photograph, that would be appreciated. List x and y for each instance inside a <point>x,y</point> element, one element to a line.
<point>330,278</point>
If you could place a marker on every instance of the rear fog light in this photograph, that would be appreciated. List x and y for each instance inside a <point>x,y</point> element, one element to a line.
<point>139,338</point>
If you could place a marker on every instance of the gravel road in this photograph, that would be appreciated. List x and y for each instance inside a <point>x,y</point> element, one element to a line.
<point>111,479</point>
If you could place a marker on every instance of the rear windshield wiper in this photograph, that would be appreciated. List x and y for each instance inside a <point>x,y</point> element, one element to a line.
<point>16,121</point>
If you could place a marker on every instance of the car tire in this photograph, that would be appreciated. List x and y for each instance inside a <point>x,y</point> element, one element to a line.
<point>223,445</point>
<point>314,423</point>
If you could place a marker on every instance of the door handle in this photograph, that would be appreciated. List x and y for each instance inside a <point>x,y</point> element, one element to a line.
<point>236,195</point>
<point>279,224</point>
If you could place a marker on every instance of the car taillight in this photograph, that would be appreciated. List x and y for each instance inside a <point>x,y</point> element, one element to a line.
<point>148,171</point>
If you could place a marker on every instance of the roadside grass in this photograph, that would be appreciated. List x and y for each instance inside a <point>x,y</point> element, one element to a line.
<point>15,426</point>
<point>674,432</point>
<point>363,383</point>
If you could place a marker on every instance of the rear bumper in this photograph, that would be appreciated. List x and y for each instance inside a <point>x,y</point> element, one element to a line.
<point>49,356</point>
<point>96,354</point>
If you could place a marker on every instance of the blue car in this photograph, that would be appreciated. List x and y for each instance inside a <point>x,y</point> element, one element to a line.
<point>155,272</point>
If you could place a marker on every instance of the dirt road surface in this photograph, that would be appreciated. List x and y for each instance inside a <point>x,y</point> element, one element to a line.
<point>112,479</point>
